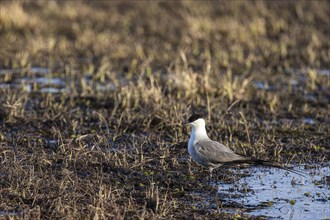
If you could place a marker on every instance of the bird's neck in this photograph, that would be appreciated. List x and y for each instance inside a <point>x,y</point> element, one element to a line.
<point>198,133</point>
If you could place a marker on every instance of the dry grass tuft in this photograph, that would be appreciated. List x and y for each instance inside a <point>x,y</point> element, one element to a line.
<point>93,96</point>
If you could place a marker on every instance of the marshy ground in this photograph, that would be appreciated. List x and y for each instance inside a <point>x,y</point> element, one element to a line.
<point>93,96</point>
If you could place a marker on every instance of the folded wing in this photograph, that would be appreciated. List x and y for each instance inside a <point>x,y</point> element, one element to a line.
<point>215,152</point>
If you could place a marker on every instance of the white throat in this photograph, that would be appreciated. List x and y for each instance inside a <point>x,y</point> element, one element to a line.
<point>198,132</point>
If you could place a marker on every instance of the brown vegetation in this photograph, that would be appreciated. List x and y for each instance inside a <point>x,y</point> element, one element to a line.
<point>110,143</point>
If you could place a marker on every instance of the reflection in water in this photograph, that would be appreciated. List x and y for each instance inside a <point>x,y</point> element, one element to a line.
<point>39,79</point>
<point>278,194</point>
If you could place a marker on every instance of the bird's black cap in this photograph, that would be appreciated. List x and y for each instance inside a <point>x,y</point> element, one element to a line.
<point>194,117</point>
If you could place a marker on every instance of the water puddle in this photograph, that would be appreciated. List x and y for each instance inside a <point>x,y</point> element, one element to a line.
<point>320,72</point>
<point>39,70</point>
<point>298,80</point>
<point>262,85</point>
<point>52,90</point>
<point>10,214</point>
<point>292,122</point>
<point>324,72</point>
<point>309,121</point>
<point>42,80</point>
<point>294,82</point>
<point>35,79</point>
<point>277,194</point>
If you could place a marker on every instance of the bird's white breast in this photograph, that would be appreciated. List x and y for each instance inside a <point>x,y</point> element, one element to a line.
<point>196,136</point>
<point>191,144</point>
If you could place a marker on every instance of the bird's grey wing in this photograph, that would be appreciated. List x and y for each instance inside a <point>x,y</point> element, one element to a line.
<point>215,152</point>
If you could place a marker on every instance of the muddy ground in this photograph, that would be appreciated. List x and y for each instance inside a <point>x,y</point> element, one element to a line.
<point>93,96</point>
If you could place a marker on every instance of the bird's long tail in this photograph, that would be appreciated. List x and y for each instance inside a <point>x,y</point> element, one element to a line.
<point>276,165</point>
<point>267,163</point>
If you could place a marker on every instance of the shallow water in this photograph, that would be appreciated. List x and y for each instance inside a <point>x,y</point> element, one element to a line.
<point>42,80</point>
<point>277,194</point>
<point>263,85</point>
<point>37,79</point>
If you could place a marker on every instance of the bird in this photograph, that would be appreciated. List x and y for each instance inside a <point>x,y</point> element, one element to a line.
<point>212,154</point>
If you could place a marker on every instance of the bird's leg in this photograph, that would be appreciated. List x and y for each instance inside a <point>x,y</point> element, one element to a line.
<point>217,177</point>
<point>210,176</point>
